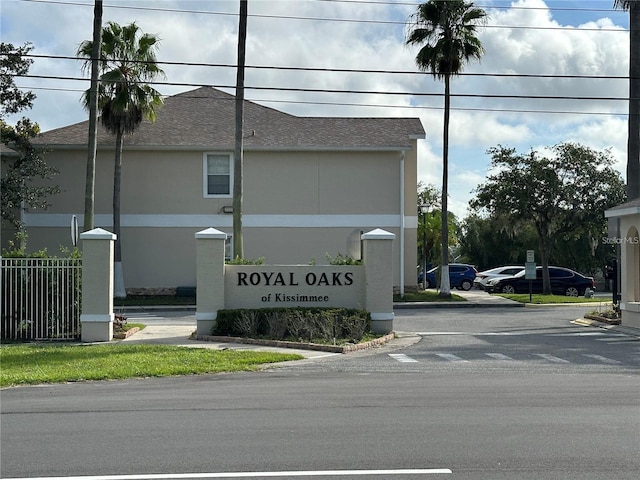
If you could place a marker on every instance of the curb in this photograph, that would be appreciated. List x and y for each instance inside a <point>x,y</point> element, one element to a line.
<point>586,322</point>
<point>598,318</point>
<point>127,334</point>
<point>299,345</point>
<point>467,304</point>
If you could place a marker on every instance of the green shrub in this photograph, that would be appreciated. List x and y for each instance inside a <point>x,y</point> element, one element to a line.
<point>341,259</point>
<point>298,324</point>
<point>245,261</point>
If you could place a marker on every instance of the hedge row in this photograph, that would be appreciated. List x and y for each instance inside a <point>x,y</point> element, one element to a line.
<point>298,324</point>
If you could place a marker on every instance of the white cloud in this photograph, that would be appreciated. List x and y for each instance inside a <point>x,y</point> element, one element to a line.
<point>531,39</point>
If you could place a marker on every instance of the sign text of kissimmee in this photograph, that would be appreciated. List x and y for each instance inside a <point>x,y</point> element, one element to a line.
<point>261,286</point>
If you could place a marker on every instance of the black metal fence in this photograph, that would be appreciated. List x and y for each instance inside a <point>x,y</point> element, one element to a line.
<point>40,298</point>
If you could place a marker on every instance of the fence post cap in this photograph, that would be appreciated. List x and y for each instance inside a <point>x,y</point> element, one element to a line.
<point>378,234</point>
<point>98,234</point>
<point>211,233</point>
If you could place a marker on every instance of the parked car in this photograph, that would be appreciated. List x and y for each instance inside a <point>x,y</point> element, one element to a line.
<point>461,276</point>
<point>499,272</point>
<point>563,282</point>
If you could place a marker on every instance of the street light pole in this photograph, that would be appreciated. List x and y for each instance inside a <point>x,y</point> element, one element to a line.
<point>423,210</point>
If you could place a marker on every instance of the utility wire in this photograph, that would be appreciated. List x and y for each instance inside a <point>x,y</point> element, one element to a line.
<point>376,105</point>
<point>293,17</point>
<point>362,92</point>
<point>352,70</point>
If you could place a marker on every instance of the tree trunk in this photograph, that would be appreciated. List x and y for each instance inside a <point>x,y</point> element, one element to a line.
<point>445,284</point>
<point>545,253</point>
<point>238,249</point>
<point>546,281</point>
<point>90,181</point>
<point>633,141</point>
<point>119,289</point>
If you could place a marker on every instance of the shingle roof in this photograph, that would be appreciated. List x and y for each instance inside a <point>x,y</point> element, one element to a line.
<point>6,151</point>
<point>205,118</point>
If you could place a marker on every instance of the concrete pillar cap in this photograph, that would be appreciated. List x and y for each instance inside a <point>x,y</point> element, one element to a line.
<point>98,234</point>
<point>378,234</point>
<point>211,233</point>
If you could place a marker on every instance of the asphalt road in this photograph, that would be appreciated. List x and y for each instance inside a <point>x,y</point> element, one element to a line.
<point>472,394</point>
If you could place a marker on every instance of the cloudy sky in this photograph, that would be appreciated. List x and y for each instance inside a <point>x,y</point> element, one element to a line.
<point>348,58</point>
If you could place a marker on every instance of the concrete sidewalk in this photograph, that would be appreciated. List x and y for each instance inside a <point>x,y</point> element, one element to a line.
<point>182,336</point>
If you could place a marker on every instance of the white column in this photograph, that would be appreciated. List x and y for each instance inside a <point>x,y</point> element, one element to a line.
<point>96,318</point>
<point>378,263</point>
<point>209,278</point>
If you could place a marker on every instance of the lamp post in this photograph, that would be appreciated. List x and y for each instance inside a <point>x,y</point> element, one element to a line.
<point>423,209</point>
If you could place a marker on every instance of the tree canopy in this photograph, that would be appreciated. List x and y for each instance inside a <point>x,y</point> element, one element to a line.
<point>14,64</point>
<point>562,194</point>
<point>23,163</point>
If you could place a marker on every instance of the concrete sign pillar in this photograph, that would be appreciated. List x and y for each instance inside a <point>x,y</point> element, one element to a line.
<point>378,255</point>
<point>209,278</point>
<point>97,285</point>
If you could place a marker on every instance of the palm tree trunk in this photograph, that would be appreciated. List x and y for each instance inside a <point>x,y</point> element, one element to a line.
<point>633,145</point>
<point>90,181</point>
<point>445,285</point>
<point>119,290</point>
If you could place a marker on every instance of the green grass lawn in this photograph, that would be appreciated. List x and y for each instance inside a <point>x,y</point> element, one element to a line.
<point>432,296</point>
<point>552,299</point>
<point>45,363</point>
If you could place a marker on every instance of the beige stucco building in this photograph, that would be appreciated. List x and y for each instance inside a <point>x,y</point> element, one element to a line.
<point>626,218</point>
<point>312,185</point>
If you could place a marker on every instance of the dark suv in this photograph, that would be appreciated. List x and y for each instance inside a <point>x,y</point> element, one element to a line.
<point>461,276</point>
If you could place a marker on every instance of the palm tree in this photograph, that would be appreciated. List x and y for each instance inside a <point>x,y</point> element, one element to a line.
<point>633,141</point>
<point>446,29</point>
<point>127,62</point>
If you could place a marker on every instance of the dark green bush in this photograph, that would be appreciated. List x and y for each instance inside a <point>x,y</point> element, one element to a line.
<point>298,324</point>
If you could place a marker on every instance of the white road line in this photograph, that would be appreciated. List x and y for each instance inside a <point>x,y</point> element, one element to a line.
<point>551,358</point>
<point>602,359</point>
<point>312,473</point>
<point>474,334</point>
<point>498,356</point>
<point>401,357</point>
<point>451,357</point>
<point>578,334</point>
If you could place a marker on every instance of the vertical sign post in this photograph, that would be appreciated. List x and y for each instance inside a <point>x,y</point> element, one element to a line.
<point>74,231</point>
<point>530,270</point>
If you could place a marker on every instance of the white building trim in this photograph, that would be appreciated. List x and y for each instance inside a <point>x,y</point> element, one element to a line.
<point>225,221</point>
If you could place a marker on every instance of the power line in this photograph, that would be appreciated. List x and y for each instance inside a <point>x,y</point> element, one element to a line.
<point>324,19</point>
<point>375,105</point>
<point>363,92</point>
<point>504,7</point>
<point>352,70</point>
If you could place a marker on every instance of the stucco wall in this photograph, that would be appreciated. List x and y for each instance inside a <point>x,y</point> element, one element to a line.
<point>298,206</point>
